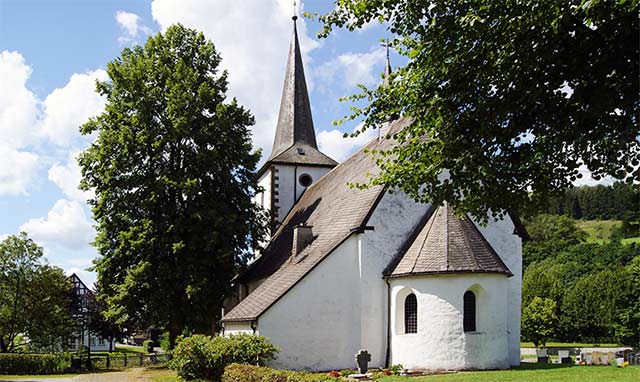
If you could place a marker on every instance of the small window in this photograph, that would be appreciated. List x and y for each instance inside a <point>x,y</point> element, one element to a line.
<point>411,314</point>
<point>305,180</point>
<point>469,312</point>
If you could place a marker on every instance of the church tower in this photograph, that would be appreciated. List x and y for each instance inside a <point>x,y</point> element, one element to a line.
<point>295,161</point>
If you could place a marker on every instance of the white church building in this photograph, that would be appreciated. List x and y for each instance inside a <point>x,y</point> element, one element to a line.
<point>349,269</point>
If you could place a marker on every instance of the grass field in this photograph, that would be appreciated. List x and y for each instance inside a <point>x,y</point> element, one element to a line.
<point>600,231</point>
<point>524,373</point>
<point>536,373</point>
<point>570,345</point>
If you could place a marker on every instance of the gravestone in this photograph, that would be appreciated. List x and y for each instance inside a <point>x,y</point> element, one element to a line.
<point>362,360</point>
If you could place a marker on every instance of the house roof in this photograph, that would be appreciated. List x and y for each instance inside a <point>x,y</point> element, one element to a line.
<point>334,210</point>
<point>294,131</point>
<point>446,243</point>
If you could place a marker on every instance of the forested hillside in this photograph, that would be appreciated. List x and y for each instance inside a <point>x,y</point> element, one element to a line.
<point>581,277</point>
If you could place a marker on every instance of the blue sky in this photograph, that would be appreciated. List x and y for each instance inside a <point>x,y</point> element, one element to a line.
<point>52,51</point>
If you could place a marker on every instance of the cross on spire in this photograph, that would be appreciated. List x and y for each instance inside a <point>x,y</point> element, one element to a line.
<point>295,13</point>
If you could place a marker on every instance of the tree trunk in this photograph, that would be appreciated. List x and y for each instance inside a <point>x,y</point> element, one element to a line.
<point>174,331</point>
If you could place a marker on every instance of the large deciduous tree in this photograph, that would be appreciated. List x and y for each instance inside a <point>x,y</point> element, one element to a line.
<point>173,171</point>
<point>35,298</point>
<point>514,96</point>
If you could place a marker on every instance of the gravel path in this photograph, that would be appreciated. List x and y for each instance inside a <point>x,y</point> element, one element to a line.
<point>130,375</point>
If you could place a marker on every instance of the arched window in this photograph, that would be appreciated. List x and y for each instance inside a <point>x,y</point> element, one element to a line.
<point>411,314</point>
<point>469,312</point>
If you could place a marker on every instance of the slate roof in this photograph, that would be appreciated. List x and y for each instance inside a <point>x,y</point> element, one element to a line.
<point>445,243</point>
<point>295,123</point>
<point>333,209</point>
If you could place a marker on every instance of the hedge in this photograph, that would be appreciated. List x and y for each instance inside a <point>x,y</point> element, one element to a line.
<point>249,373</point>
<point>21,364</point>
<point>148,346</point>
<point>204,358</point>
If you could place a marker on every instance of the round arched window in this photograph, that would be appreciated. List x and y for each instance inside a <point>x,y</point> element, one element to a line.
<point>305,180</point>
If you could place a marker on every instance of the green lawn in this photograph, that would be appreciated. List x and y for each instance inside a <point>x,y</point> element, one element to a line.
<point>120,348</point>
<point>524,373</point>
<point>536,373</point>
<point>599,231</point>
<point>569,345</point>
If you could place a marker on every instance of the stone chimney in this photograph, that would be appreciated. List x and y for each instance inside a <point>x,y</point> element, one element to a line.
<point>302,237</point>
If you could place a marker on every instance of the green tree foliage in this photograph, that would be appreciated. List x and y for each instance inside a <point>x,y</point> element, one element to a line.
<point>35,298</point>
<point>539,320</point>
<point>629,327</point>
<point>618,201</point>
<point>98,323</point>
<point>548,234</point>
<point>204,358</point>
<point>593,305</point>
<point>487,82</point>
<point>594,286</point>
<point>173,172</point>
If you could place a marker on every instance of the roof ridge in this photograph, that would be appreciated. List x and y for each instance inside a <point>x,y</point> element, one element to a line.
<point>466,242</point>
<point>446,236</point>
<point>432,218</point>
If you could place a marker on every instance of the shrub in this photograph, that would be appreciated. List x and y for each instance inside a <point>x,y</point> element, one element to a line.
<point>165,344</point>
<point>248,373</point>
<point>204,357</point>
<point>148,346</point>
<point>32,363</point>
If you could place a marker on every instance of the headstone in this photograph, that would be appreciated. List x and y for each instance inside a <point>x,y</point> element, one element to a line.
<point>362,360</point>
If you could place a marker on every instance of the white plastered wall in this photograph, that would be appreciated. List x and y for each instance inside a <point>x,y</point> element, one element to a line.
<point>440,342</point>
<point>231,328</point>
<point>340,307</point>
<point>289,188</point>
<point>500,234</point>
<point>313,323</point>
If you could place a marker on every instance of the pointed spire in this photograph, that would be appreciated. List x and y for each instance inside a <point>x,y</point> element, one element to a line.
<point>295,124</point>
<point>387,68</point>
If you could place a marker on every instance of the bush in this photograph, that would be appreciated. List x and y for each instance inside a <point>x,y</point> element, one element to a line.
<point>165,344</point>
<point>204,357</point>
<point>33,363</point>
<point>148,346</point>
<point>248,373</point>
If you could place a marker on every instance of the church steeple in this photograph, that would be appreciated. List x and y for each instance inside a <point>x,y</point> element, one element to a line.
<point>387,67</point>
<point>295,124</point>
<point>295,162</point>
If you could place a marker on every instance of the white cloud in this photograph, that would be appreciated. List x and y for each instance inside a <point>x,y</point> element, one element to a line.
<point>66,108</point>
<point>332,142</point>
<point>66,224</point>
<point>18,116</point>
<point>67,178</point>
<point>17,169</point>
<point>18,105</point>
<point>132,26</point>
<point>587,180</point>
<point>352,69</point>
<point>253,38</point>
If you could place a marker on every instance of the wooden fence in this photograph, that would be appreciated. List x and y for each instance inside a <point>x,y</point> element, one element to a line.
<point>124,360</point>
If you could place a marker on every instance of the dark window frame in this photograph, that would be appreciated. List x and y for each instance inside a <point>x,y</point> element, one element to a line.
<point>305,180</point>
<point>469,311</point>
<point>411,314</point>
